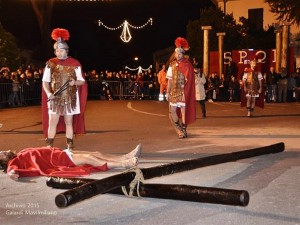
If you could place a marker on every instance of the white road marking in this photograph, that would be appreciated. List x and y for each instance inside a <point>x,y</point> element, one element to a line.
<point>152,114</point>
<point>216,103</point>
<point>185,148</point>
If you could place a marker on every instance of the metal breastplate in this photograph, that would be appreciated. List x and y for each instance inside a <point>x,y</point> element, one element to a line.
<point>65,101</point>
<point>252,84</point>
<point>177,89</point>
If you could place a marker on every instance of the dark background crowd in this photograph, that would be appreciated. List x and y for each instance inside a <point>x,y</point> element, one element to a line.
<point>23,86</point>
<point>277,87</point>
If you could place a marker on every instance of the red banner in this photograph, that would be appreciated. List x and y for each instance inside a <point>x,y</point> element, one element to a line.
<point>241,59</point>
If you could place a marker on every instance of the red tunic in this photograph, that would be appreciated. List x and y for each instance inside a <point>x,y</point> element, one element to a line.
<point>78,119</point>
<point>187,69</point>
<point>46,161</point>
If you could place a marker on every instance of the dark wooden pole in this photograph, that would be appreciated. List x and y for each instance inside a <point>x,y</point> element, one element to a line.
<point>104,185</point>
<point>93,188</point>
<point>67,182</point>
<point>193,193</point>
<point>191,164</point>
<point>167,191</point>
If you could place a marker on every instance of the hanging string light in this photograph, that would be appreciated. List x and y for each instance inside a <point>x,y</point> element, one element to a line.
<point>140,69</point>
<point>126,36</point>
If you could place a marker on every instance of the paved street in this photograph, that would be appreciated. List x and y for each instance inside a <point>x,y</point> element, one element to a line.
<point>116,127</point>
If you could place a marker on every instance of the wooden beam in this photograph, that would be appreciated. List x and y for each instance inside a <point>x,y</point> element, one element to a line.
<point>107,184</point>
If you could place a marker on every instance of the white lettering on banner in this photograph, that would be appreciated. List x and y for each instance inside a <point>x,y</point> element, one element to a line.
<point>261,57</point>
<point>227,57</point>
<point>243,54</point>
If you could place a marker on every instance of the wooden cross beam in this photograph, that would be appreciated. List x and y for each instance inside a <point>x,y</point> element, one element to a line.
<point>166,191</point>
<point>108,184</point>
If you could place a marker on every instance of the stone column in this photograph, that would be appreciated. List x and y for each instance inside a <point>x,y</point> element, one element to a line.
<point>221,52</point>
<point>278,50</point>
<point>206,49</point>
<point>285,45</point>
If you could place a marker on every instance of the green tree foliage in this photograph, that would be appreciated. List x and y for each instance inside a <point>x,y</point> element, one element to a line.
<point>286,10</point>
<point>9,52</point>
<point>240,35</point>
<point>195,32</point>
<point>256,39</point>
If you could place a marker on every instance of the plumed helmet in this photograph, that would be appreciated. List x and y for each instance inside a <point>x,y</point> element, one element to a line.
<point>182,45</point>
<point>60,35</point>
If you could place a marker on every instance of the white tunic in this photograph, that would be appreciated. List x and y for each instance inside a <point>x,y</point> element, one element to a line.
<point>259,76</point>
<point>47,78</point>
<point>169,77</point>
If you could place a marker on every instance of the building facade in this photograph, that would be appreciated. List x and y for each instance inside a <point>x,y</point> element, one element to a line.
<point>258,12</point>
<point>246,8</point>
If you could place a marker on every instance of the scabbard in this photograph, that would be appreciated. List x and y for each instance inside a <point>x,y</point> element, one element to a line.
<point>167,191</point>
<point>93,188</point>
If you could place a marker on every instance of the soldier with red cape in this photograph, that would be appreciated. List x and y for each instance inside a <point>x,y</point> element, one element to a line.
<point>181,89</point>
<point>252,90</point>
<point>64,93</point>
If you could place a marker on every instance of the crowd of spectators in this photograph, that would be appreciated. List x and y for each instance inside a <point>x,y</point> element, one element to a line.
<point>141,84</point>
<point>109,85</point>
<point>277,87</point>
<point>16,86</point>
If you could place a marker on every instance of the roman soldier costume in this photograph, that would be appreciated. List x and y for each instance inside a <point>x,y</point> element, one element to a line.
<point>182,90</point>
<point>68,100</point>
<point>252,84</point>
<point>178,82</point>
<point>250,89</point>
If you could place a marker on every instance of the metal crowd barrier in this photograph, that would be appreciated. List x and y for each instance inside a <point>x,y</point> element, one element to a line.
<point>30,93</point>
<point>5,91</point>
<point>99,89</point>
<point>122,90</point>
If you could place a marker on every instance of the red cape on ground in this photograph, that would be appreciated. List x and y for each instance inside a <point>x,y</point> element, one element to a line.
<point>187,69</point>
<point>46,161</point>
<point>78,120</point>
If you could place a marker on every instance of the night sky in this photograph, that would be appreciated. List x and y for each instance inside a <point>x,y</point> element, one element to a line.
<point>97,47</point>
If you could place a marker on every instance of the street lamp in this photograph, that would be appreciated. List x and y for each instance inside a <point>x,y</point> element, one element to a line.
<point>136,61</point>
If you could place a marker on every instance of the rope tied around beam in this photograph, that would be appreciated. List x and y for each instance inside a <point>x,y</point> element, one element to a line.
<point>135,183</point>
